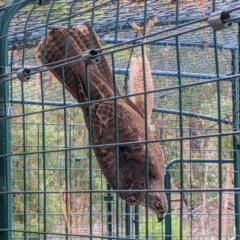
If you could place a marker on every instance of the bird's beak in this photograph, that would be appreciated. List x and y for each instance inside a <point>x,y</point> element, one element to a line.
<point>160,218</point>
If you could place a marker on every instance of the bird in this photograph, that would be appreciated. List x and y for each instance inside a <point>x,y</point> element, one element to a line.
<point>121,151</point>
<point>136,73</point>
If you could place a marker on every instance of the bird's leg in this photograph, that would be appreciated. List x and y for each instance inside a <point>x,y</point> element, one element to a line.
<point>140,78</point>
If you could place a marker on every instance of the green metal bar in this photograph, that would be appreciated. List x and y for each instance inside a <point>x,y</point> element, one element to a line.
<point>127,220</point>
<point>72,235</point>
<point>136,221</point>
<point>109,199</point>
<point>71,166</point>
<point>170,43</point>
<point>117,23</point>
<point>143,49</point>
<point>159,110</point>
<point>195,160</point>
<point>90,142</point>
<point>124,71</point>
<point>90,121</point>
<point>24,164</point>
<point>67,153</point>
<point>43,131</point>
<point>202,76</point>
<point>220,175</point>
<point>180,124</point>
<point>192,115</point>
<point>24,131</point>
<point>168,218</point>
<point>236,126</point>
<point>180,120</point>
<point>38,173</point>
<point>215,190</point>
<point>91,26</point>
<point>123,144</point>
<point>5,132</point>
<point>117,147</point>
<point>44,161</point>
<point>5,164</point>
<point>157,43</point>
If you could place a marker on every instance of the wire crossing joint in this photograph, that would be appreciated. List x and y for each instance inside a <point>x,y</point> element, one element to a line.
<point>23,74</point>
<point>90,57</point>
<point>220,20</point>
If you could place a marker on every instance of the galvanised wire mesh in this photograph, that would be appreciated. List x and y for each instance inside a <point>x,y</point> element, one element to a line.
<point>51,184</point>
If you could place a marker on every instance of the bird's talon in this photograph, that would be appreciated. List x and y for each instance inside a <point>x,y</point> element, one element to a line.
<point>152,16</point>
<point>137,28</point>
<point>150,24</point>
<point>129,24</point>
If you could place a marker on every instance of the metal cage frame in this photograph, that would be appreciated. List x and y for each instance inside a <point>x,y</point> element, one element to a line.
<point>7,13</point>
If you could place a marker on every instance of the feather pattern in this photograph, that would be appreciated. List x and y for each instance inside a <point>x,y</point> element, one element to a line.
<point>132,157</point>
<point>140,77</point>
<point>136,85</point>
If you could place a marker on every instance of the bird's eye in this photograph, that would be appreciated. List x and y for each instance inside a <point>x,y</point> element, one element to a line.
<point>158,204</point>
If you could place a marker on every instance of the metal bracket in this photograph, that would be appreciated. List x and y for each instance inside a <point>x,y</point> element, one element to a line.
<point>5,70</point>
<point>108,198</point>
<point>78,159</point>
<point>89,57</point>
<point>23,74</point>
<point>220,20</point>
<point>6,112</point>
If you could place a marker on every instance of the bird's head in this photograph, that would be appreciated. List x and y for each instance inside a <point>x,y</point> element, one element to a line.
<point>158,204</point>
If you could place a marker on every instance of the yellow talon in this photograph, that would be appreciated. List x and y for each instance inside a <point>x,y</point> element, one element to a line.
<point>149,25</point>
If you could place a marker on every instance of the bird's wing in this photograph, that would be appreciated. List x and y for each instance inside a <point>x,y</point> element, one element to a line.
<point>83,32</point>
<point>132,156</point>
<point>73,75</point>
<point>49,52</point>
<point>104,65</point>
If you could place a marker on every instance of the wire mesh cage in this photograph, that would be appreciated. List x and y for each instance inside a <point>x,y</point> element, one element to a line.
<point>117,114</point>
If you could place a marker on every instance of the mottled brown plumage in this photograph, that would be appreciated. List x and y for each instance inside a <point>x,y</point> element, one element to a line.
<point>132,157</point>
